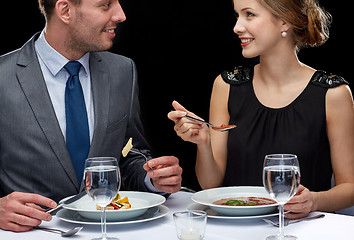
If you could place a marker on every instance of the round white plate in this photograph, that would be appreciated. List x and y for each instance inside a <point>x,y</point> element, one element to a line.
<point>151,214</point>
<point>213,214</point>
<point>140,201</point>
<point>207,197</point>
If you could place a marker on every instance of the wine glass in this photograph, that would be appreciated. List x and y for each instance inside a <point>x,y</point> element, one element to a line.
<point>102,183</point>
<point>281,178</point>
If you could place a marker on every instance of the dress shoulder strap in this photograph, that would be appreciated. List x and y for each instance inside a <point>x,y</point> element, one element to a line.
<point>238,75</point>
<point>327,80</point>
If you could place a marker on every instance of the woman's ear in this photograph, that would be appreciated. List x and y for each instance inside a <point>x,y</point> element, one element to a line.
<point>284,26</point>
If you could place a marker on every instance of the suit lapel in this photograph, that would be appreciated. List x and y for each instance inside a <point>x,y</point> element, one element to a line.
<point>32,82</point>
<point>100,90</point>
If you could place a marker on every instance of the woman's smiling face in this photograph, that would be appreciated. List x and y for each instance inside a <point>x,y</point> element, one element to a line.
<point>258,29</point>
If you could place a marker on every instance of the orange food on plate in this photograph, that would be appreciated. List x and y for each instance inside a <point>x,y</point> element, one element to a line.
<point>117,204</point>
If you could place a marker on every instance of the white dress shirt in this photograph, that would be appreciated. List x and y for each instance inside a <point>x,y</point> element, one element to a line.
<point>52,64</point>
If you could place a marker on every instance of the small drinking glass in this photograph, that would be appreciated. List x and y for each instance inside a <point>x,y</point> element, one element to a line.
<point>102,183</point>
<point>190,225</point>
<point>281,178</point>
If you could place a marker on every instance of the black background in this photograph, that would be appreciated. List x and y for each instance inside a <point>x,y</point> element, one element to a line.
<point>180,47</point>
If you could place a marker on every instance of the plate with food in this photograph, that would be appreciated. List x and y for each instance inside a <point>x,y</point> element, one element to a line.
<point>237,201</point>
<point>126,205</point>
<point>213,214</point>
<point>151,214</point>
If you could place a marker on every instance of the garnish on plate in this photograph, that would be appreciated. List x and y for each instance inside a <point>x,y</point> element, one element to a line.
<point>117,203</point>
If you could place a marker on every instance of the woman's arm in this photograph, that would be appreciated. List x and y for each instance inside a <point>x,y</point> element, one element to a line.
<point>212,145</point>
<point>340,131</point>
<point>212,162</point>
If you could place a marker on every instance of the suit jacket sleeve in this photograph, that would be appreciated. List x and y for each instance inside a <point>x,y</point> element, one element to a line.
<point>117,116</point>
<point>133,174</point>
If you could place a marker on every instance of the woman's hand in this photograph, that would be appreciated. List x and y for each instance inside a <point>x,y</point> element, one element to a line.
<point>188,130</point>
<point>300,205</point>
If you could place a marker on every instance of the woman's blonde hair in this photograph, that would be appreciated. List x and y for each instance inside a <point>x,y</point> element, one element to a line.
<point>309,22</point>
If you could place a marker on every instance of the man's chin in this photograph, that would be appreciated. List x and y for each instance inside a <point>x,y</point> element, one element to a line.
<point>103,47</point>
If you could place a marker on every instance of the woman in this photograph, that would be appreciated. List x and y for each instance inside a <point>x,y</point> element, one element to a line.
<point>279,106</point>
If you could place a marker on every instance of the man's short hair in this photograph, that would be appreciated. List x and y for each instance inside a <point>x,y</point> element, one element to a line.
<point>47,6</point>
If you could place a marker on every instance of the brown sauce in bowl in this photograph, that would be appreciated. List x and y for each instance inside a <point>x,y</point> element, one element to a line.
<point>244,201</point>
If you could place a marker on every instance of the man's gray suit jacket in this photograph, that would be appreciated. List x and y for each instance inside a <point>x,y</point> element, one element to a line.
<point>33,153</point>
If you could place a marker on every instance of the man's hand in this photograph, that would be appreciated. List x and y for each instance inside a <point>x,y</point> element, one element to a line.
<point>19,212</point>
<point>165,173</point>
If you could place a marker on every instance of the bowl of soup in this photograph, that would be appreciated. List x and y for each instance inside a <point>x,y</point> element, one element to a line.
<point>237,201</point>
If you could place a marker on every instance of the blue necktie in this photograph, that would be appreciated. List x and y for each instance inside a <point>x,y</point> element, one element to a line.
<point>77,130</point>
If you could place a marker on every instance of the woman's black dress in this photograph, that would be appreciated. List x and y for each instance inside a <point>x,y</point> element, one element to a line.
<point>299,128</point>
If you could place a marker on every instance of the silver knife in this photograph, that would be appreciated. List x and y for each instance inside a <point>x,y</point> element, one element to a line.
<point>66,202</point>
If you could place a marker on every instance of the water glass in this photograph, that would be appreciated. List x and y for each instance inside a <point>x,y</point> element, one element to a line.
<point>102,182</point>
<point>281,179</point>
<point>190,225</point>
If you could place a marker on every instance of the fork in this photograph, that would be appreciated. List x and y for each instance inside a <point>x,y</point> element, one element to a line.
<point>219,129</point>
<point>287,222</point>
<point>137,151</point>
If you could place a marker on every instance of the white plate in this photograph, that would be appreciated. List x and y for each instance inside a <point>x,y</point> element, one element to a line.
<point>151,214</point>
<point>140,201</point>
<point>207,197</point>
<point>213,214</point>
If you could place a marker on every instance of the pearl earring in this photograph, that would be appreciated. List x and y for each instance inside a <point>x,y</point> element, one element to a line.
<point>284,34</point>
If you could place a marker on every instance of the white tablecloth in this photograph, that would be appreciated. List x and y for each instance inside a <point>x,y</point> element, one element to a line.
<point>331,227</point>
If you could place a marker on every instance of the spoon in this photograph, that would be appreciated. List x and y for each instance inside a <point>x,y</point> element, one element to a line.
<point>69,233</point>
<point>222,128</point>
<point>286,223</point>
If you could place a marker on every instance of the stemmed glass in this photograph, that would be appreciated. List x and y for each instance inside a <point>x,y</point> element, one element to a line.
<point>281,178</point>
<point>102,183</point>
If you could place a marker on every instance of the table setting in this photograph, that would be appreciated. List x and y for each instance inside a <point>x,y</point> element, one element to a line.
<point>332,226</point>
<point>240,212</point>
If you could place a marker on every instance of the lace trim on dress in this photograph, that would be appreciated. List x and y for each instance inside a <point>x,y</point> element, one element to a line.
<point>238,75</point>
<point>327,80</point>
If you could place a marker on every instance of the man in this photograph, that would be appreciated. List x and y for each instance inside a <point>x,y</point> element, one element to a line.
<point>52,117</point>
